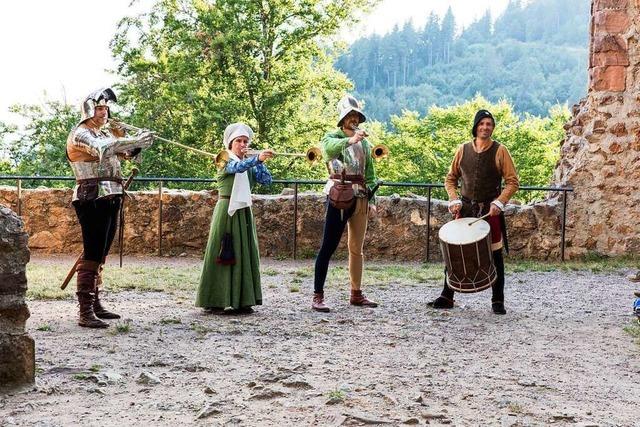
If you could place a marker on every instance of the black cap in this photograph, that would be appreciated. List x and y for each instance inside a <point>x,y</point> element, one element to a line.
<point>481,114</point>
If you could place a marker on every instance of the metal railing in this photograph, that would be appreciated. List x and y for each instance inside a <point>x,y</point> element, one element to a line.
<point>160,181</point>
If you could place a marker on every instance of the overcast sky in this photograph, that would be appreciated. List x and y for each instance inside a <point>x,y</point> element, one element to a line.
<point>60,49</point>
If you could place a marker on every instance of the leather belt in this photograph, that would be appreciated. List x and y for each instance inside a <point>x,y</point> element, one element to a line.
<point>476,202</point>
<point>106,178</point>
<point>356,179</point>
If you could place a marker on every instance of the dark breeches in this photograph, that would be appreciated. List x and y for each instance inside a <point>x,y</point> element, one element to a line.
<point>98,221</point>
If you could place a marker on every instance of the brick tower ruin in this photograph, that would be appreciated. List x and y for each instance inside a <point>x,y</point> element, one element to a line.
<point>600,155</point>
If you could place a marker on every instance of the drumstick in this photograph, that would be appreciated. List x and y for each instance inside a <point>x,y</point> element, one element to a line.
<point>482,217</point>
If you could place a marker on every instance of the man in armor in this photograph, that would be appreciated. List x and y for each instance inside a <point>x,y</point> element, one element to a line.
<point>482,164</point>
<point>349,159</point>
<point>94,153</point>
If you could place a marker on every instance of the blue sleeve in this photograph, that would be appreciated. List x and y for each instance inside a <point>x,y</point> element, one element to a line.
<point>234,166</point>
<point>262,174</point>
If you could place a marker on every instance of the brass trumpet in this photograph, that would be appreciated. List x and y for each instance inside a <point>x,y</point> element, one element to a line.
<point>116,123</point>
<point>380,151</point>
<point>312,155</point>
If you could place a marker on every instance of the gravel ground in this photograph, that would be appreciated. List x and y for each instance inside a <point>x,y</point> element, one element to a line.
<point>560,356</point>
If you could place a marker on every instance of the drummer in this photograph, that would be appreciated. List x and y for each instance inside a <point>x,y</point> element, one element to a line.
<point>482,164</point>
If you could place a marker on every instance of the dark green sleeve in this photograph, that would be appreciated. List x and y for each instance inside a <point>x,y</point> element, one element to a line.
<point>332,145</point>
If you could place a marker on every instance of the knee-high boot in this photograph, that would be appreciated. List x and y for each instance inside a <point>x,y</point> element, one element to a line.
<point>86,285</point>
<point>98,308</point>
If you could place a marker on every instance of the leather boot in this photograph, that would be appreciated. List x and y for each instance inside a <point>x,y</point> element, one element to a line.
<point>318,302</point>
<point>498,307</point>
<point>441,302</point>
<point>98,309</point>
<point>358,298</point>
<point>87,271</point>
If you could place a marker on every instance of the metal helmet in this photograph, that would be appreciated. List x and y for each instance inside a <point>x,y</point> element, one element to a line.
<point>99,97</point>
<point>346,105</point>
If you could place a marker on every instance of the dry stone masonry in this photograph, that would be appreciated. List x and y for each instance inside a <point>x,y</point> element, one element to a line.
<point>17,354</point>
<point>399,232</point>
<point>601,153</point>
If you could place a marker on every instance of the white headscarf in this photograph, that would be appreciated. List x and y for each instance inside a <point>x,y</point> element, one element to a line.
<point>241,191</point>
<point>235,130</point>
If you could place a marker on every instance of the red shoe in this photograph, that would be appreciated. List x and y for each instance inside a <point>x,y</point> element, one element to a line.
<point>318,303</point>
<point>358,298</point>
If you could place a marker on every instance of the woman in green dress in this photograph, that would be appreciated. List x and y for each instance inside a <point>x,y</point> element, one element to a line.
<point>230,280</point>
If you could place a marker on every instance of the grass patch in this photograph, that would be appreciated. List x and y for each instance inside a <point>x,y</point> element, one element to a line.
<point>122,328</point>
<point>95,368</point>
<point>307,253</point>
<point>45,278</point>
<point>383,275</point>
<point>591,264</point>
<point>270,271</point>
<point>44,328</point>
<point>294,287</point>
<point>199,328</point>
<point>170,321</point>
<point>336,395</point>
<point>302,272</point>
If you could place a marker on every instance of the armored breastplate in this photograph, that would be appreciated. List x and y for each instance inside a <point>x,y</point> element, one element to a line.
<point>105,167</point>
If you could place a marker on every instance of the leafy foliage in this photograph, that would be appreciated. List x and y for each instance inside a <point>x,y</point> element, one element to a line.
<point>422,147</point>
<point>191,67</point>
<point>38,148</point>
<point>534,56</point>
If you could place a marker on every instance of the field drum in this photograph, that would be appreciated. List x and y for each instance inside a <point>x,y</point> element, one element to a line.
<point>466,250</point>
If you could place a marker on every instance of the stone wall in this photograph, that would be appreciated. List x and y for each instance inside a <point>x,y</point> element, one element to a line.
<point>17,353</point>
<point>399,232</point>
<point>600,155</point>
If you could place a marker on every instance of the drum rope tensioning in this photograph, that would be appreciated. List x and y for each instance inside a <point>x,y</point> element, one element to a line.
<point>466,250</point>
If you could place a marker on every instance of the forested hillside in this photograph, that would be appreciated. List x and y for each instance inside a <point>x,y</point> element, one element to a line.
<point>182,73</point>
<point>533,55</point>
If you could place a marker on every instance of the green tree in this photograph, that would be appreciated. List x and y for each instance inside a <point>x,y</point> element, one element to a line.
<point>38,147</point>
<point>535,57</point>
<point>190,67</point>
<point>422,147</point>
<point>447,32</point>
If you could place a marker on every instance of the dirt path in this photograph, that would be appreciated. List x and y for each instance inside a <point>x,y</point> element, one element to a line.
<point>559,356</point>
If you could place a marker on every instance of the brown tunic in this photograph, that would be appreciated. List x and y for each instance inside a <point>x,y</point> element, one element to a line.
<point>503,166</point>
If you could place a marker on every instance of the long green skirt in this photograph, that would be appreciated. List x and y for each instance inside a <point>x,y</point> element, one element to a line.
<point>235,286</point>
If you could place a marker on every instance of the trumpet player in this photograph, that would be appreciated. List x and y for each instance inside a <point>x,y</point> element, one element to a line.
<point>230,280</point>
<point>94,153</point>
<point>348,154</point>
